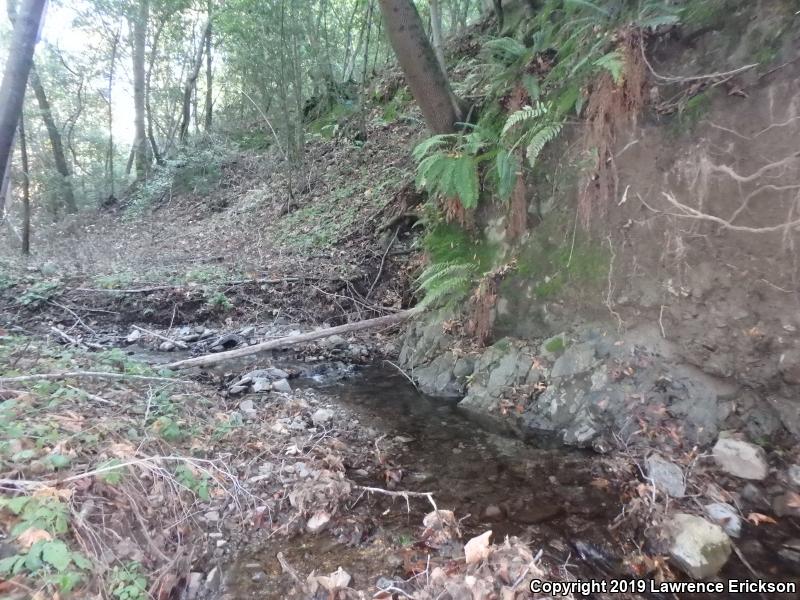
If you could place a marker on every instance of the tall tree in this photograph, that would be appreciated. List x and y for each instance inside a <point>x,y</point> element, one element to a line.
<point>26,189</point>
<point>15,78</point>
<point>209,74</point>
<point>191,82</point>
<point>424,74</point>
<point>140,148</point>
<point>436,32</point>
<point>56,143</point>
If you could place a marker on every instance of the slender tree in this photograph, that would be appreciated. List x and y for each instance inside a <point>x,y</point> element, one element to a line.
<point>424,74</point>
<point>26,189</point>
<point>15,78</point>
<point>191,82</point>
<point>436,32</point>
<point>56,143</point>
<point>209,74</point>
<point>140,149</point>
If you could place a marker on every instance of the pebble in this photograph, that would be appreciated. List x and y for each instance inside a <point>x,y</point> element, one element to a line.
<point>167,346</point>
<point>322,416</point>
<point>213,579</point>
<point>261,385</point>
<point>741,459</point>
<point>282,385</point>
<point>726,516</point>
<point>212,516</point>
<point>666,475</point>
<point>318,521</point>
<point>134,336</point>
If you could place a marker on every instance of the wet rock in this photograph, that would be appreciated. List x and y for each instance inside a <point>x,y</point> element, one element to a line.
<point>698,547</point>
<point>552,347</point>
<point>666,475</point>
<point>261,385</point>
<point>789,366</point>
<point>726,516</point>
<point>333,342</point>
<point>318,521</point>
<point>793,475</point>
<point>787,505</point>
<point>167,346</point>
<point>270,373</point>
<point>790,552</point>
<point>281,385</point>
<point>576,359</point>
<point>493,513</point>
<point>134,336</point>
<point>755,496</point>
<point>322,416</point>
<point>741,459</point>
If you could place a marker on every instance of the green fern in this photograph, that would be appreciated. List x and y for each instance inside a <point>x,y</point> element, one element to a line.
<point>526,113</point>
<point>446,284</point>
<point>614,63</point>
<point>507,166</point>
<point>539,139</point>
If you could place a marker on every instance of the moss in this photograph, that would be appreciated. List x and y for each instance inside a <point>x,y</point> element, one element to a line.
<point>555,345</point>
<point>446,242</point>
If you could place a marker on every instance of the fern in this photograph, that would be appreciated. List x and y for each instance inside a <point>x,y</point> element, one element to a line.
<point>614,63</point>
<point>524,114</point>
<point>587,4</point>
<point>432,143</point>
<point>506,49</point>
<point>507,166</point>
<point>446,284</point>
<point>539,139</point>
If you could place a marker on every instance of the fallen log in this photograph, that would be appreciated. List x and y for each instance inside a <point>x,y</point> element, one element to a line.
<point>212,359</point>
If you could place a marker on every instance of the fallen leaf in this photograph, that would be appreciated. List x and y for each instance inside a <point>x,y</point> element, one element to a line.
<point>757,519</point>
<point>32,535</point>
<point>477,549</point>
<point>600,483</point>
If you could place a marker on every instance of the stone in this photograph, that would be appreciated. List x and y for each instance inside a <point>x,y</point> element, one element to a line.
<point>261,385</point>
<point>213,580</point>
<point>786,505</point>
<point>793,475</point>
<point>321,416</point>
<point>318,521</point>
<point>698,547</point>
<point>248,408</point>
<point>134,336</point>
<point>167,346</point>
<point>212,516</point>
<point>493,513</point>
<point>789,366</point>
<point>281,385</point>
<point>334,341</point>
<point>741,459</point>
<point>193,585</point>
<point>576,359</point>
<point>553,347</point>
<point>270,373</point>
<point>726,516</point>
<point>666,475</point>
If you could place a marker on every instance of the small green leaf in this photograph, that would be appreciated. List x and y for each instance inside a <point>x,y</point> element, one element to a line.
<point>81,561</point>
<point>11,565</point>
<point>15,505</point>
<point>59,461</point>
<point>57,554</point>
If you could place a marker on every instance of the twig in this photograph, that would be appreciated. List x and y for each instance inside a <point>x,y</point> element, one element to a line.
<point>88,375</point>
<point>383,260</point>
<point>178,344</point>
<point>74,314</point>
<point>679,79</point>
<point>403,373</point>
<point>401,494</point>
<point>65,337</point>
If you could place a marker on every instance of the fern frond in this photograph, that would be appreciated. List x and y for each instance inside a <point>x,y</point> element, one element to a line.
<point>507,166</point>
<point>431,143</point>
<point>614,63</point>
<point>524,114</point>
<point>506,48</point>
<point>440,271</point>
<point>465,181</point>
<point>452,291</point>
<point>540,139</point>
<point>587,4</point>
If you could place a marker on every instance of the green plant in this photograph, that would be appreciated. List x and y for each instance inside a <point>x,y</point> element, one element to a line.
<point>128,582</point>
<point>220,301</point>
<point>555,345</point>
<point>39,293</point>
<point>196,484</point>
<point>446,284</point>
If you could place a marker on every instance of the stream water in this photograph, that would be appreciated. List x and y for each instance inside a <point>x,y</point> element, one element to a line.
<point>491,481</point>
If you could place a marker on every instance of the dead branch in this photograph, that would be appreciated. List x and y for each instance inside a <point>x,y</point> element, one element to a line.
<point>178,344</point>
<point>212,359</point>
<point>404,494</point>
<point>88,375</point>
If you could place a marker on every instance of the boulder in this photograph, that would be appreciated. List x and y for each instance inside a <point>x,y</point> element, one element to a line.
<point>281,385</point>
<point>741,459</point>
<point>726,516</point>
<point>134,336</point>
<point>576,359</point>
<point>698,547</point>
<point>261,385</point>
<point>666,476</point>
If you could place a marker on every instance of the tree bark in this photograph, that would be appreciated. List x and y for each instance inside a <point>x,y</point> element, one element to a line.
<point>153,54</point>
<point>190,83</point>
<point>209,74</point>
<point>56,143</point>
<point>212,359</point>
<point>425,77</point>
<point>141,154</point>
<point>110,157</point>
<point>26,189</point>
<point>436,32</point>
<point>15,78</point>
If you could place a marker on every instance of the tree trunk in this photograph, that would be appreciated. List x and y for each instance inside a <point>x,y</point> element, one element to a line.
<point>141,154</point>
<point>26,189</point>
<point>436,32</point>
<point>190,83</point>
<point>425,77</point>
<point>110,158</point>
<point>56,143</point>
<point>209,74</point>
<point>15,78</point>
<point>153,54</point>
